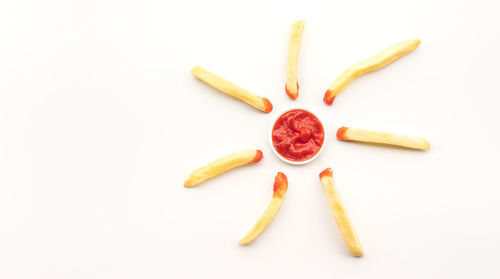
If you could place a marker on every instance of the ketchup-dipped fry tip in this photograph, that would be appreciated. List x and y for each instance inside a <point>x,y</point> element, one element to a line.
<point>329,98</point>
<point>279,189</point>
<point>341,133</point>
<point>258,156</point>
<point>268,106</point>
<point>293,95</point>
<point>326,172</point>
<point>280,185</point>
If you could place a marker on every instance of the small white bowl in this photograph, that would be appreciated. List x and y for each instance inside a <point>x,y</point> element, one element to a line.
<point>296,162</point>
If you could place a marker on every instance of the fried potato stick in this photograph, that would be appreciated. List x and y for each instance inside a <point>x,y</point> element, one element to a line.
<point>223,164</point>
<point>346,229</point>
<point>292,85</point>
<point>375,62</point>
<point>232,89</point>
<point>351,134</point>
<point>279,188</point>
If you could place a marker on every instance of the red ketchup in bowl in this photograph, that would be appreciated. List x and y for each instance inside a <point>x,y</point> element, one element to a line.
<point>298,135</point>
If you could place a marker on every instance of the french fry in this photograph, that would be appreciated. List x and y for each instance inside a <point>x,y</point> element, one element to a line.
<point>292,85</point>
<point>223,164</point>
<point>375,62</point>
<point>279,189</point>
<point>351,134</point>
<point>232,89</point>
<point>346,229</point>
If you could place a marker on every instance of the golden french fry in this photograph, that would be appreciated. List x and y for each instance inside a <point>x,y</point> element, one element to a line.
<point>292,85</point>
<point>232,89</point>
<point>223,164</point>
<point>279,189</point>
<point>346,229</point>
<point>377,61</point>
<point>351,134</point>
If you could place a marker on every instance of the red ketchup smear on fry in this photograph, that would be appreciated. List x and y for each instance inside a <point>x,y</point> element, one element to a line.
<point>298,135</point>
<point>326,172</point>
<point>258,156</point>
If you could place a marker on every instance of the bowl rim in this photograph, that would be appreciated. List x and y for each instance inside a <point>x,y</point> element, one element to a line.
<point>271,135</point>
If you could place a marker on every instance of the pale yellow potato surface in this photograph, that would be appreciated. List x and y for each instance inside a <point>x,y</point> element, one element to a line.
<point>264,221</point>
<point>279,190</point>
<point>223,164</point>
<point>387,138</point>
<point>346,228</point>
<point>293,53</point>
<point>232,89</point>
<point>377,61</point>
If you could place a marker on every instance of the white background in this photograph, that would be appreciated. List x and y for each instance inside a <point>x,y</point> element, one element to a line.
<point>101,123</point>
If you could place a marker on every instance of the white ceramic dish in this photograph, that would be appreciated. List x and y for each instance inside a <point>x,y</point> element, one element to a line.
<point>296,162</point>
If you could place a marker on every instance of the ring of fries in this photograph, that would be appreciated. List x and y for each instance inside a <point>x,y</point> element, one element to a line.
<point>247,156</point>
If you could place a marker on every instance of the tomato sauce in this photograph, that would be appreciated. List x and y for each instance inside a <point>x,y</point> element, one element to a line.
<point>298,135</point>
